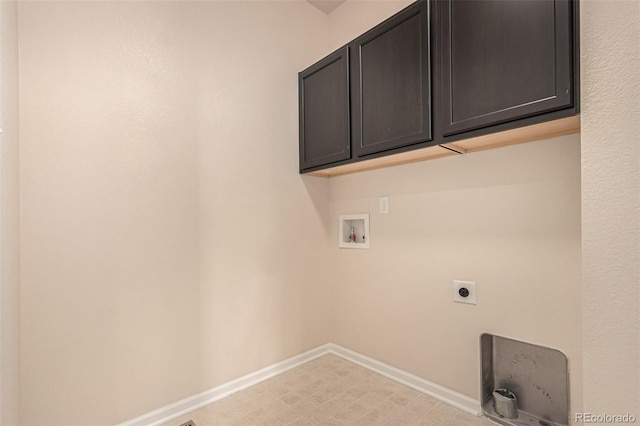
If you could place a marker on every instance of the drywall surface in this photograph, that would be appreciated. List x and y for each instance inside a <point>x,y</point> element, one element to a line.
<point>9,219</point>
<point>355,17</point>
<point>610,67</point>
<point>507,219</point>
<point>168,243</point>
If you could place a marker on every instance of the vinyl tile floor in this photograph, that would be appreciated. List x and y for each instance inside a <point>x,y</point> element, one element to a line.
<point>329,391</point>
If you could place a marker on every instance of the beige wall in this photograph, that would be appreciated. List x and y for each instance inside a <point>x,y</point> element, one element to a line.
<point>610,231</point>
<point>9,219</point>
<point>508,219</point>
<point>611,205</point>
<point>168,243</point>
<point>355,17</point>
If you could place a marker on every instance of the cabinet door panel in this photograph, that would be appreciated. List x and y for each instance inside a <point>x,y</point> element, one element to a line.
<point>503,60</point>
<point>324,111</point>
<point>391,83</point>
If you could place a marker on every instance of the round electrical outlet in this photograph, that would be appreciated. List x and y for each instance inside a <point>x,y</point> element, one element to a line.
<point>464,292</point>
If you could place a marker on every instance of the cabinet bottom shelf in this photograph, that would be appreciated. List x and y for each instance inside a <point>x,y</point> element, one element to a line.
<point>546,130</point>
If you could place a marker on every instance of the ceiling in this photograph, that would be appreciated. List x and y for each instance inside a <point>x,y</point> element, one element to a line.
<point>327,6</point>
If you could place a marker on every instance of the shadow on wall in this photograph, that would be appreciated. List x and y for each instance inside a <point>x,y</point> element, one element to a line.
<point>515,165</point>
<point>318,191</point>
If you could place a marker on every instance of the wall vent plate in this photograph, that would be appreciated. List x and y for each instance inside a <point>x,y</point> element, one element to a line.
<point>537,375</point>
<point>464,292</point>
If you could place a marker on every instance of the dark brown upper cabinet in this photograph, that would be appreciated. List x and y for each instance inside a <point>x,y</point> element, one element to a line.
<point>325,135</point>
<point>391,83</point>
<point>503,72</point>
<point>502,60</point>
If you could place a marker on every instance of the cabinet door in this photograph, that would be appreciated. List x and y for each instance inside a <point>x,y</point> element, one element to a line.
<point>391,89</point>
<point>502,60</point>
<point>325,135</point>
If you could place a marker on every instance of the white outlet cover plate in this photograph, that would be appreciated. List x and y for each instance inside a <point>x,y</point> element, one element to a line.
<point>469,285</point>
<point>384,205</point>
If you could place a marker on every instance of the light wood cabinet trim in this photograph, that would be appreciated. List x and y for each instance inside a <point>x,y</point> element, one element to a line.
<point>549,129</point>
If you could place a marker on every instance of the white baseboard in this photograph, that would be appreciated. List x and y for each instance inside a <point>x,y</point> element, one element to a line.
<point>187,405</point>
<point>434,390</point>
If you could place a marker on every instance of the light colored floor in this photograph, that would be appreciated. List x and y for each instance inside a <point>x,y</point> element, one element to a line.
<point>330,391</point>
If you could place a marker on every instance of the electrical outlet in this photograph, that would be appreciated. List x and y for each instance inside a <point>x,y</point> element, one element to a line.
<point>384,205</point>
<point>464,292</point>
